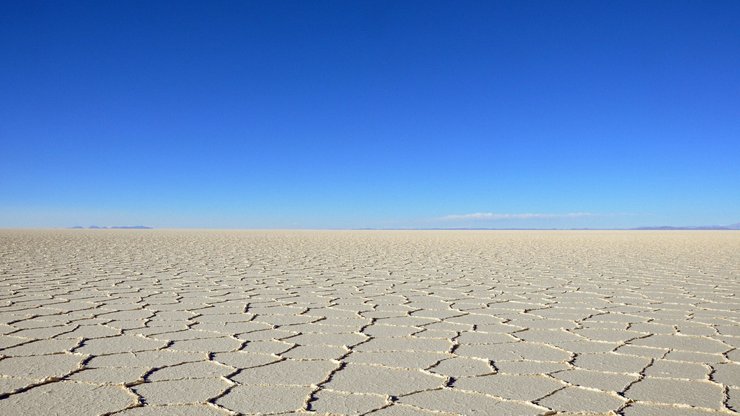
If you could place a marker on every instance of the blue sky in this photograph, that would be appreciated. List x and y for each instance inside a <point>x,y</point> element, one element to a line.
<point>339,114</point>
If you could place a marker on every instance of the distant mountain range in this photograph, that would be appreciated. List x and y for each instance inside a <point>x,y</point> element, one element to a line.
<point>647,228</point>
<point>699,227</point>
<point>114,227</point>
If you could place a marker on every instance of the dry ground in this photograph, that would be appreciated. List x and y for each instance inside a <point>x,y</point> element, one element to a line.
<point>386,323</point>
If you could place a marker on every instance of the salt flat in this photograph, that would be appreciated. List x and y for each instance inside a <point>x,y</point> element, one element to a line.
<point>369,322</point>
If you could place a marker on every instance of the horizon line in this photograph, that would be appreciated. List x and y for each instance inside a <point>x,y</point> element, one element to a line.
<point>733,227</point>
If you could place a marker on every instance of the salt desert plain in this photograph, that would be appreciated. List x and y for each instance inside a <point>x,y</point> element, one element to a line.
<point>155,322</point>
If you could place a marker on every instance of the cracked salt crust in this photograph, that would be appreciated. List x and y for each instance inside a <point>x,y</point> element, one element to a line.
<point>382,323</point>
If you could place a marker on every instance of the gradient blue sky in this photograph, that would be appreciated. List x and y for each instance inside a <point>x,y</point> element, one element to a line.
<point>369,114</point>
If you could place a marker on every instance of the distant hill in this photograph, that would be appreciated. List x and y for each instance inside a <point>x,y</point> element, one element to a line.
<point>114,227</point>
<point>648,228</point>
<point>699,227</point>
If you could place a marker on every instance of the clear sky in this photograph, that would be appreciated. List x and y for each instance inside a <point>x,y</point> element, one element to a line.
<point>268,114</point>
